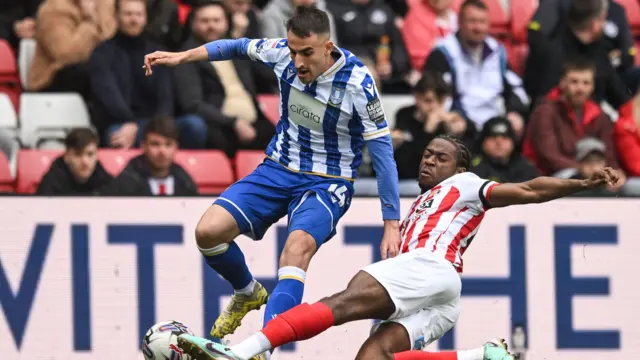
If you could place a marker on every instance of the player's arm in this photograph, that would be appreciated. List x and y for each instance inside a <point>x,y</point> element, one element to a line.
<point>267,51</point>
<point>543,189</point>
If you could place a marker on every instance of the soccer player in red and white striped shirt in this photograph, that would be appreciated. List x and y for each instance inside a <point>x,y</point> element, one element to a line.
<point>418,291</point>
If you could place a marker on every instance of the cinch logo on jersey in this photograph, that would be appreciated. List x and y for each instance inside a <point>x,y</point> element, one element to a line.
<point>305,113</point>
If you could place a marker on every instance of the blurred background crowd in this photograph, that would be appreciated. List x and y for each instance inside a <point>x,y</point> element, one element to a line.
<point>532,88</point>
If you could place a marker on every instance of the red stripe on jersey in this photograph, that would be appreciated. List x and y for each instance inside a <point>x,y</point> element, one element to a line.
<point>467,229</point>
<point>447,203</point>
<point>435,244</point>
<point>407,234</point>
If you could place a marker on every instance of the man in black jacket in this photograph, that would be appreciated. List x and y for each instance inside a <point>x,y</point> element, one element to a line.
<point>579,35</point>
<point>154,172</point>
<point>497,160</point>
<point>78,171</point>
<point>223,93</point>
<point>124,99</point>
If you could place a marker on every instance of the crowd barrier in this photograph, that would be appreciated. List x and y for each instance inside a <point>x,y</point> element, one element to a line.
<point>84,278</point>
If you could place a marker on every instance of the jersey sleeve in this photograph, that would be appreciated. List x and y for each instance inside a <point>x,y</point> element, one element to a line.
<point>368,106</point>
<point>268,51</point>
<point>475,191</point>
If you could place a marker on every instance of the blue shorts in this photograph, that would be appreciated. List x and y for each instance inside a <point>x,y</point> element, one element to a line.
<point>313,203</point>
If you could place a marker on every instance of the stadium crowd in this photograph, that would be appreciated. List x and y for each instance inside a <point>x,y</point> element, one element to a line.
<point>565,109</point>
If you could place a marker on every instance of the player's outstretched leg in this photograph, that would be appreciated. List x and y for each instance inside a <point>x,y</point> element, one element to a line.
<point>492,350</point>
<point>214,234</point>
<point>364,298</point>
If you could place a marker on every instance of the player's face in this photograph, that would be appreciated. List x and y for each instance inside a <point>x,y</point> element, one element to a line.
<point>311,55</point>
<point>132,15</point>
<point>474,25</point>
<point>438,163</point>
<point>210,23</point>
<point>82,162</point>
<point>577,86</point>
<point>160,151</point>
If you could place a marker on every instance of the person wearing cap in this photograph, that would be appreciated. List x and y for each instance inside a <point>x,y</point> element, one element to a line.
<point>565,116</point>
<point>497,160</point>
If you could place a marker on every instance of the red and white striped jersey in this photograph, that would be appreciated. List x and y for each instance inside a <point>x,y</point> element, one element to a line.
<point>446,218</point>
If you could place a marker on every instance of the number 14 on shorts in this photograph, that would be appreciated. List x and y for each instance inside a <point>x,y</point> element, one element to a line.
<point>338,194</point>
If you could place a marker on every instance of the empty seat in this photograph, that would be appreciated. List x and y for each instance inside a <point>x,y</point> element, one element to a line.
<point>210,169</point>
<point>6,180</point>
<point>50,116</point>
<point>115,160</point>
<point>8,117</point>
<point>270,106</point>
<point>632,9</point>
<point>32,165</point>
<point>393,103</point>
<point>25,58</point>
<point>247,161</point>
<point>9,79</point>
<point>521,13</point>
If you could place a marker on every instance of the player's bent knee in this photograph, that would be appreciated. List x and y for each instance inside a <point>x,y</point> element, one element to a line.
<point>298,250</point>
<point>373,350</point>
<point>217,226</point>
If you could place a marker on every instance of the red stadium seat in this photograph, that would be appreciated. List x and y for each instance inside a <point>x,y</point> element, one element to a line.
<point>115,160</point>
<point>9,78</point>
<point>270,106</point>
<point>247,161</point>
<point>498,17</point>
<point>32,165</point>
<point>632,8</point>
<point>517,56</point>
<point>521,13</point>
<point>210,169</point>
<point>6,180</point>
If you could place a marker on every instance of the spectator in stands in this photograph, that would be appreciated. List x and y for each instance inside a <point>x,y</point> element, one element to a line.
<point>426,22</point>
<point>418,124</point>
<point>17,20</point>
<point>580,37</point>
<point>244,19</point>
<point>67,32</point>
<point>223,93</point>
<point>367,29</point>
<point>154,172</point>
<point>78,171</point>
<point>626,135</point>
<point>163,26</point>
<point>547,22</point>
<point>277,12</point>
<point>124,99</point>
<point>566,116</point>
<point>498,160</point>
<point>475,64</point>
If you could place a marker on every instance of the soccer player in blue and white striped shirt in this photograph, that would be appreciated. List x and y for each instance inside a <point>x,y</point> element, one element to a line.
<point>329,108</point>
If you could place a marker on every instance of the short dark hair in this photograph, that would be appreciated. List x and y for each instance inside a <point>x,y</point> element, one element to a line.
<point>479,4</point>
<point>161,125</point>
<point>463,158</point>
<point>431,81</point>
<point>79,138</point>
<point>582,12</point>
<point>308,20</point>
<point>577,63</point>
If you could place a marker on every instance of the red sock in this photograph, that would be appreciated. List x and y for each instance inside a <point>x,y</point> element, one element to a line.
<point>423,355</point>
<point>299,323</point>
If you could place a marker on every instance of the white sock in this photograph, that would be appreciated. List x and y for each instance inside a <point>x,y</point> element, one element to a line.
<point>292,272</point>
<point>216,250</point>
<point>256,344</point>
<point>247,290</point>
<point>475,354</point>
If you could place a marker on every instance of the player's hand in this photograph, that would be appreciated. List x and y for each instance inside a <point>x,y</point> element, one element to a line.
<point>390,245</point>
<point>603,177</point>
<point>163,58</point>
<point>245,131</point>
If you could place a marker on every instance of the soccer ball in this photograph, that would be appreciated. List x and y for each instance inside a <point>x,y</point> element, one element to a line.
<point>161,341</point>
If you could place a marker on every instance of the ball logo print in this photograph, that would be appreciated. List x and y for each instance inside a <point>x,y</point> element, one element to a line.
<point>161,341</point>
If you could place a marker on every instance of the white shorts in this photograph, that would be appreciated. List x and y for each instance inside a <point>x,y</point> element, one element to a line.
<point>425,290</point>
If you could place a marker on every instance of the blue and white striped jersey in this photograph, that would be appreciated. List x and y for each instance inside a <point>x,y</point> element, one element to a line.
<point>323,125</point>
